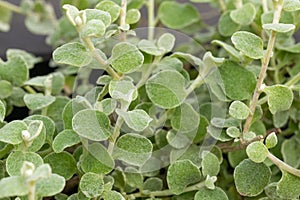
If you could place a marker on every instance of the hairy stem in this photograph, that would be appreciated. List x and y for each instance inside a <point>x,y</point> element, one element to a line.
<point>282,165</point>
<point>265,6</point>
<point>264,67</point>
<point>11,7</point>
<point>123,19</point>
<point>196,83</point>
<point>151,20</point>
<point>31,192</point>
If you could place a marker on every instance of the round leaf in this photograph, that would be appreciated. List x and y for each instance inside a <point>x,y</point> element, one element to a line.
<point>233,132</point>
<point>166,89</point>
<point>111,7</point>
<point>257,152</point>
<point>251,178</point>
<point>133,149</point>
<point>91,185</point>
<point>249,44</point>
<point>291,5</point>
<point>38,101</point>
<point>244,15</point>
<point>153,184</point>
<point>226,25</point>
<point>239,110</point>
<point>123,90</point>
<point>11,133</point>
<point>271,140</point>
<point>126,57</point>
<point>288,186</point>
<point>207,194</point>
<point>13,186</point>
<point>50,186</point>
<point>136,119</point>
<point>64,139</point>
<point>279,27</point>
<point>210,164</point>
<point>178,178</point>
<point>133,16</point>
<point>91,124</point>
<point>93,28</point>
<point>166,42</point>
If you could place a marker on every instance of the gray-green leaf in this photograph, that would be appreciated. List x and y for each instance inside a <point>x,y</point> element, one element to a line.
<point>11,133</point>
<point>64,139</point>
<point>91,185</point>
<point>210,164</point>
<point>244,15</point>
<point>279,27</point>
<point>136,119</point>
<point>38,101</point>
<point>207,194</point>
<point>13,186</point>
<point>257,152</point>
<point>288,186</point>
<point>2,111</point>
<point>239,110</point>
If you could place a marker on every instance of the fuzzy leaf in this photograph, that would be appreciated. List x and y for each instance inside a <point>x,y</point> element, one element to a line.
<point>210,164</point>
<point>249,44</point>
<point>226,25</point>
<point>280,98</point>
<point>126,58</point>
<point>271,140</point>
<point>244,179</point>
<point>166,42</point>
<point>93,28</point>
<point>29,58</point>
<point>239,110</point>
<point>230,49</point>
<point>111,7</point>
<point>123,90</point>
<point>153,184</point>
<point>133,149</point>
<point>50,186</point>
<point>166,89</point>
<point>64,139</point>
<point>177,16</point>
<point>95,14</point>
<point>74,54</point>
<point>279,27</point>
<point>6,89</point>
<point>2,111</point>
<point>288,186</point>
<point>178,178</point>
<point>11,133</point>
<point>16,159</point>
<point>257,152</point>
<point>91,124</point>
<point>91,185</point>
<point>38,101</point>
<point>107,106</point>
<point>207,194</point>
<point>136,119</point>
<point>244,15</point>
<point>289,150</point>
<point>291,5</point>
<point>13,186</point>
<point>133,16</point>
<point>233,132</point>
<point>97,160</point>
<point>150,48</point>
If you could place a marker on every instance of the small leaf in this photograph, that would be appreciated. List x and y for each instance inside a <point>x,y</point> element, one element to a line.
<point>2,111</point>
<point>166,42</point>
<point>111,7</point>
<point>288,186</point>
<point>62,164</point>
<point>29,58</point>
<point>210,182</point>
<point>289,150</point>
<point>291,5</point>
<point>78,58</point>
<point>6,89</point>
<point>233,132</point>
<point>97,160</point>
<point>107,106</point>
<point>153,184</point>
<point>91,124</point>
<point>226,25</point>
<point>112,195</point>
<point>271,140</point>
<point>64,139</point>
<point>210,164</point>
<point>11,133</point>
<point>42,171</point>
<point>95,14</point>
<point>257,152</point>
<point>177,16</point>
<point>244,15</point>
<point>279,27</point>
<point>280,97</point>
<point>91,185</point>
<point>16,159</point>
<point>133,178</point>
<point>126,58</point>
<point>133,16</point>
<point>123,90</point>
<point>244,179</point>
<point>166,89</point>
<point>178,178</point>
<point>249,44</point>
<point>38,101</point>
<point>13,186</point>
<point>136,119</point>
<point>133,149</point>
<point>239,110</point>
<point>230,49</point>
<point>71,12</point>
<point>207,194</point>
<point>50,186</point>
<point>93,28</point>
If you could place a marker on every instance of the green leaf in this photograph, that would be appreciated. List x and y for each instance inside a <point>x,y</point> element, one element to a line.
<point>112,195</point>
<point>11,133</point>
<point>2,111</point>
<point>235,157</point>
<point>239,110</point>
<point>37,133</point>
<point>177,139</point>
<point>233,132</point>
<point>288,186</point>
<point>91,124</point>
<point>133,149</point>
<point>257,151</point>
<point>133,16</point>
<point>136,119</point>
<point>248,43</point>
<point>166,89</point>
<point>166,42</point>
<point>62,164</point>
<point>123,90</point>
<point>111,7</point>
<point>210,164</point>
<point>280,97</point>
<point>16,159</point>
<point>207,194</point>
<point>97,160</point>
<point>78,58</point>
<point>5,18</point>
<point>107,106</point>
<point>126,58</point>
<point>289,150</point>
<point>50,186</point>
<point>13,186</point>
<point>94,14</point>
<point>8,71</point>
<point>150,48</point>
<point>279,27</point>
<point>38,101</point>
<point>153,184</point>
<point>178,178</point>
<point>244,179</point>
<point>71,12</point>
<point>64,139</point>
<point>29,58</point>
<point>133,178</point>
<point>91,185</point>
<point>230,49</point>
<point>271,140</point>
<point>6,89</point>
<point>244,15</point>
<point>42,171</point>
<point>93,28</point>
<point>226,25</point>
<point>291,5</point>
<point>177,16</point>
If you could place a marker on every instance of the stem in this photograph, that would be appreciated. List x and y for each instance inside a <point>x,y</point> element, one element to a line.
<point>148,72</point>
<point>196,83</point>
<point>29,89</point>
<point>283,165</point>
<point>151,20</point>
<point>264,67</point>
<point>31,192</point>
<point>238,4</point>
<point>222,5</point>
<point>294,80</point>
<point>123,19</point>
<point>11,7</point>
<point>265,6</point>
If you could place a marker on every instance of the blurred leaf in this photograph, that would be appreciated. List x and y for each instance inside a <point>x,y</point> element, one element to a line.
<point>11,133</point>
<point>244,15</point>
<point>111,7</point>
<point>13,186</point>
<point>288,186</point>
<point>136,119</point>
<point>50,186</point>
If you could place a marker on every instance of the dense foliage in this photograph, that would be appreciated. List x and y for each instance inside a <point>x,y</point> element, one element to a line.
<point>176,110</point>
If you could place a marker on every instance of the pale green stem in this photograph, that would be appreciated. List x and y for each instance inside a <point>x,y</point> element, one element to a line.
<point>222,5</point>
<point>148,72</point>
<point>151,20</point>
<point>264,66</point>
<point>238,3</point>
<point>31,192</point>
<point>11,7</point>
<point>123,19</point>
<point>294,80</point>
<point>29,89</point>
<point>265,6</point>
<point>282,165</point>
<point>44,111</point>
<point>196,83</point>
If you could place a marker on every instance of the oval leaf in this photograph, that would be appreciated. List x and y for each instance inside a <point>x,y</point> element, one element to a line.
<point>38,101</point>
<point>244,15</point>
<point>257,152</point>
<point>207,194</point>
<point>91,185</point>
<point>136,119</point>
<point>239,110</point>
<point>64,139</point>
<point>11,133</point>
